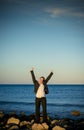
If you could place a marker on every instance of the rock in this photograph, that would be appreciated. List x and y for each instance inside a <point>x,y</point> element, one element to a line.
<point>1,114</point>
<point>42,126</point>
<point>64,122</point>
<point>38,127</point>
<point>58,128</point>
<point>75,113</point>
<point>41,119</point>
<point>48,118</point>
<point>14,127</point>
<point>45,126</point>
<point>65,126</point>
<point>13,120</point>
<point>32,121</point>
<point>24,123</point>
<point>54,122</point>
<point>34,126</point>
<point>28,127</point>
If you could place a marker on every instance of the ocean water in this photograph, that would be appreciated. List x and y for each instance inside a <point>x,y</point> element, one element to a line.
<point>61,100</point>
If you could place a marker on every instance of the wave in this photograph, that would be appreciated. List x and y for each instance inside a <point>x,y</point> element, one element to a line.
<point>14,102</point>
<point>33,103</point>
<point>66,104</point>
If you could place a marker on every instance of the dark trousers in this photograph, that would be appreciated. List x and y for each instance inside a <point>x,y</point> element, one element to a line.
<point>43,102</point>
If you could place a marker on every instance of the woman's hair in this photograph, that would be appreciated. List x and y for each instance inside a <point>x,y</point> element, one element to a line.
<point>43,78</point>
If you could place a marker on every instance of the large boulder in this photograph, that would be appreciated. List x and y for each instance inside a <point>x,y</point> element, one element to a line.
<point>13,120</point>
<point>75,113</point>
<point>42,126</point>
<point>36,126</point>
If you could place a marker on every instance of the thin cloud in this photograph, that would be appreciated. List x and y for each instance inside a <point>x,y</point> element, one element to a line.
<point>63,12</point>
<point>78,14</point>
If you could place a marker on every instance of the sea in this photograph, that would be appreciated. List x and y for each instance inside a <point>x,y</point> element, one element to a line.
<point>61,100</point>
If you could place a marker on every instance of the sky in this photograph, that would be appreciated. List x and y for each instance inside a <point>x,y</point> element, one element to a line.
<point>45,34</point>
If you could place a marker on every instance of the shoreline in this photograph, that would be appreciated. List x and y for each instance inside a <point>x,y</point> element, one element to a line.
<point>74,114</point>
<point>12,120</point>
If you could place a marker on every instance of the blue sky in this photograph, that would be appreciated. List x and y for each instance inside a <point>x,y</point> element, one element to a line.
<point>45,34</point>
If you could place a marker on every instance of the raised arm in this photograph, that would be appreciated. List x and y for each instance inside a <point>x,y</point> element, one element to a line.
<point>33,75</point>
<point>49,76</point>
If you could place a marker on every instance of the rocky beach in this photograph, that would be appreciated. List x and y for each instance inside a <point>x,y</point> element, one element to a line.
<point>13,121</point>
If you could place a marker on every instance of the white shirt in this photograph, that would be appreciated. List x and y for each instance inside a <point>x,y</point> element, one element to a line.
<point>40,92</point>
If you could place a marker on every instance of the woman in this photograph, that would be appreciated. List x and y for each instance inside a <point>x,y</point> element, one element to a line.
<point>41,89</point>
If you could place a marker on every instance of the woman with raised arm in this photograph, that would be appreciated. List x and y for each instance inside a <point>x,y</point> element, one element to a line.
<point>41,89</point>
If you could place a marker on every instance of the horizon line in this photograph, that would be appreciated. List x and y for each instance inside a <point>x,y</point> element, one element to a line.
<point>48,84</point>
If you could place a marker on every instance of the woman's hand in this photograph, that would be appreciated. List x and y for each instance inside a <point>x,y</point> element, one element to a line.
<point>52,71</point>
<point>32,68</point>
